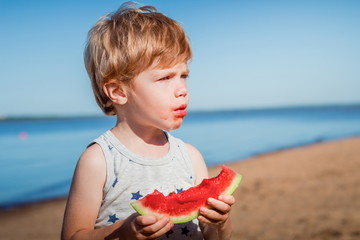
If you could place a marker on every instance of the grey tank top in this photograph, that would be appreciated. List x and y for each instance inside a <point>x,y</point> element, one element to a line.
<point>130,177</point>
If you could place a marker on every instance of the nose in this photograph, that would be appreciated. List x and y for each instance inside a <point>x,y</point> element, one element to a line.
<point>181,90</point>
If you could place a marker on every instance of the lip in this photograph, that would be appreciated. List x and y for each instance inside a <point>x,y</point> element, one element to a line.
<point>181,111</point>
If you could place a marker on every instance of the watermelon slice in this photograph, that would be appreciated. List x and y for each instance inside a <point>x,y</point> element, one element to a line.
<point>184,206</point>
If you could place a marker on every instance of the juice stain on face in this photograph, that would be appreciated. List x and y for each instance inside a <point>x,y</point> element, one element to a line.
<point>164,116</point>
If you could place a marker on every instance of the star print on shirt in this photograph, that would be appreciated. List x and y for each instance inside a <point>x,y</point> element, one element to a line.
<point>115,182</point>
<point>179,190</point>
<point>110,147</point>
<point>113,218</point>
<point>136,195</point>
<point>184,231</point>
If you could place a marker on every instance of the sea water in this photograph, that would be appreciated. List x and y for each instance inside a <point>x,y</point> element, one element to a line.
<point>38,157</point>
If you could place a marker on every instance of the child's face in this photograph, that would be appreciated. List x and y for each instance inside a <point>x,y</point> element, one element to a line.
<point>159,97</point>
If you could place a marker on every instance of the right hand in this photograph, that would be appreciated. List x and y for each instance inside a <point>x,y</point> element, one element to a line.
<point>147,227</point>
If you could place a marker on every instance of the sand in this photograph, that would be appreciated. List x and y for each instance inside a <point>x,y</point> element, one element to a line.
<point>310,192</point>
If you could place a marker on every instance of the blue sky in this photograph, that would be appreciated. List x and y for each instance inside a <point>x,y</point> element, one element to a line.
<point>247,54</point>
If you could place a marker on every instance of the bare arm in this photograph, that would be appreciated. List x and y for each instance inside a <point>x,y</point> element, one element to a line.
<point>215,223</point>
<point>85,196</point>
<point>84,202</point>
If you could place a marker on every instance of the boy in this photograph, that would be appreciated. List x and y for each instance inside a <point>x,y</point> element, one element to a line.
<point>137,60</point>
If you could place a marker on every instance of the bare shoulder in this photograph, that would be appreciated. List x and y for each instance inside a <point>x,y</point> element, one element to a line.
<point>198,163</point>
<point>93,157</point>
<point>91,167</point>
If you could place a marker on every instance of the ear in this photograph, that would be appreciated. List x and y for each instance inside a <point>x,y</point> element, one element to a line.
<point>115,92</point>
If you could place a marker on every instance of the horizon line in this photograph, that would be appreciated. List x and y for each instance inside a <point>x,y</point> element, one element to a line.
<point>196,111</point>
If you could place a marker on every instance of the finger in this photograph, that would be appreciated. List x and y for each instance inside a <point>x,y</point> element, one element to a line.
<point>212,221</point>
<point>155,227</point>
<point>219,206</point>
<point>204,220</point>
<point>229,199</point>
<point>212,215</point>
<point>162,231</point>
<point>145,220</point>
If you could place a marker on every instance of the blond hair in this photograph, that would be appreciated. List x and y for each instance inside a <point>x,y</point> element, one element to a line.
<point>124,43</point>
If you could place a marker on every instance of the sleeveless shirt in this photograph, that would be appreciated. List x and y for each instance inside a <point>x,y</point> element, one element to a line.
<point>130,177</point>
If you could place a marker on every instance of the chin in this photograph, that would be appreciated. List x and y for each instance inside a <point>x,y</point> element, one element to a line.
<point>175,126</point>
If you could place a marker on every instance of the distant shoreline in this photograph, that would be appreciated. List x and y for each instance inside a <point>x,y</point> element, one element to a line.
<point>191,112</point>
<point>46,118</point>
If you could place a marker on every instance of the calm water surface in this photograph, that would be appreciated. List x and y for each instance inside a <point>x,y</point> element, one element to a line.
<point>38,157</point>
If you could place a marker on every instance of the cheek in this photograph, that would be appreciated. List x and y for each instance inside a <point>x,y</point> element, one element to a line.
<point>162,107</point>
<point>164,115</point>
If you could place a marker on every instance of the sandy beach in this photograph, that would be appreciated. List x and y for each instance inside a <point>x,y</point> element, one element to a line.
<point>310,192</point>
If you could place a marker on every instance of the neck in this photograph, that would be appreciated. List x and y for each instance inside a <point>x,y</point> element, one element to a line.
<point>146,142</point>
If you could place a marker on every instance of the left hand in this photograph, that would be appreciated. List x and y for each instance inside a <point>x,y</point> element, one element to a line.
<point>219,212</point>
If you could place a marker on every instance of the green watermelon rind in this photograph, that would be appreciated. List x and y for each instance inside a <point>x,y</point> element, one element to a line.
<point>178,219</point>
<point>233,186</point>
<point>189,216</point>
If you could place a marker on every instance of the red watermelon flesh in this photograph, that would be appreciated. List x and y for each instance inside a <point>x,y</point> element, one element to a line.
<point>184,206</point>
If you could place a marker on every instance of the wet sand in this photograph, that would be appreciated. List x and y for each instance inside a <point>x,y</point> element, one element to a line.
<point>310,192</point>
